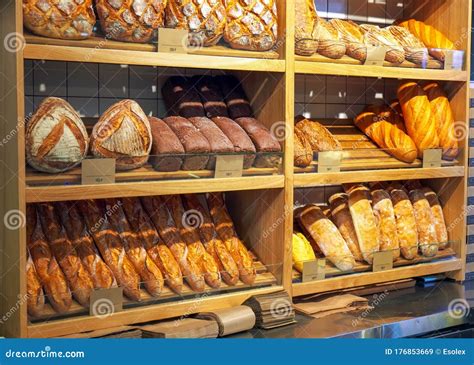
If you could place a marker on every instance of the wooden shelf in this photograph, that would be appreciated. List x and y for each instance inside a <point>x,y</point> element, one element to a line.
<point>98,50</point>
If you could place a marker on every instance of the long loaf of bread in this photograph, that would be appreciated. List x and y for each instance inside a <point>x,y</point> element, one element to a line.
<point>154,245</point>
<point>164,223</point>
<point>425,223</point>
<point>386,223</point>
<point>225,229</point>
<point>50,274</point>
<point>211,240</point>
<point>34,289</point>
<point>110,246</point>
<point>77,276</point>
<point>438,215</point>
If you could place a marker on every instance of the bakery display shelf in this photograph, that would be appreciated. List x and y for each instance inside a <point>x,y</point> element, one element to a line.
<point>100,50</point>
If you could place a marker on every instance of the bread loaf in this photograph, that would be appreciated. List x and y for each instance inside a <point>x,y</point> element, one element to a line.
<point>131,20</point>
<point>386,135</point>
<point>330,43</point>
<point>225,229</point>
<point>34,289</point>
<point>443,116</point>
<point>406,223</point>
<point>386,223</point>
<point>56,139</point>
<point>318,136</point>
<point>364,221</point>
<point>167,152</point>
<point>353,37</point>
<point>251,25</point>
<point>438,215</point>
<point>341,216</point>
<point>72,221</point>
<point>122,132</point>
<point>211,96</point>
<point>326,235</point>
<point>238,104</point>
<point>306,36</point>
<point>205,20</point>
<point>50,274</point>
<point>425,223</point>
<point>375,36</point>
<point>393,114</point>
<point>301,251</point>
<point>59,19</point>
<point>303,151</point>
<point>182,98</point>
<point>164,223</point>
<point>415,51</point>
<point>211,240</point>
<point>194,143</point>
<point>110,246</point>
<point>239,138</point>
<point>156,249</point>
<point>420,124</point>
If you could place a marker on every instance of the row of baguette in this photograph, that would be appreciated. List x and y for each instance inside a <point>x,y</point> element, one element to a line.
<point>76,247</point>
<point>420,119</point>
<point>410,40</point>
<point>242,24</point>
<point>57,139</point>
<point>405,220</point>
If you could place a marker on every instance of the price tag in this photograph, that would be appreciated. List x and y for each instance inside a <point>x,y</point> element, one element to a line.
<point>432,157</point>
<point>453,59</point>
<point>229,166</point>
<point>329,161</point>
<point>98,171</point>
<point>314,270</point>
<point>375,56</point>
<point>105,302</point>
<point>382,261</point>
<point>172,40</point>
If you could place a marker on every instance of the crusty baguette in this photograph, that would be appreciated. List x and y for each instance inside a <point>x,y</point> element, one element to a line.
<point>330,43</point>
<point>34,289</point>
<point>188,224</point>
<point>386,223</point>
<point>154,245</point>
<point>76,229</point>
<point>438,215</point>
<point>150,274</point>
<point>326,235</point>
<point>77,276</point>
<point>168,231</point>
<point>425,223</point>
<point>225,229</point>
<point>49,272</point>
<point>212,242</point>
<point>110,247</point>
<point>353,37</point>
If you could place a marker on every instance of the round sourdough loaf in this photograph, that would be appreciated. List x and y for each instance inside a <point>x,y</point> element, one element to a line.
<point>64,19</point>
<point>122,132</point>
<point>56,138</point>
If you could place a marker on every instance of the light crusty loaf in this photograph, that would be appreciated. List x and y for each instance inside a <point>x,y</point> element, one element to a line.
<point>182,98</point>
<point>130,20</point>
<point>50,274</point>
<point>318,136</point>
<point>306,36</point>
<point>326,235</point>
<point>76,229</point>
<point>386,223</point>
<point>164,223</point>
<point>226,230</point>
<point>443,116</point>
<point>167,152</point>
<point>364,221</point>
<point>406,223</point>
<point>303,151</point>
<point>211,240</point>
<point>205,20</point>
<point>122,132</point>
<point>353,37</point>
<point>415,50</point>
<point>110,246</point>
<point>375,36</point>
<point>425,223</point>
<point>62,19</point>
<point>251,25</point>
<point>438,215</point>
<point>34,289</point>
<point>393,114</point>
<point>56,139</point>
<point>386,135</point>
<point>160,253</point>
<point>330,43</point>
<point>341,216</point>
<point>420,124</point>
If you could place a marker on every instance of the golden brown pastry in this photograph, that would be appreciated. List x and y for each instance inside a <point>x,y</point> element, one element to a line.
<point>306,36</point>
<point>303,150</point>
<point>330,43</point>
<point>438,215</point>
<point>353,37</point>
<point>386,223</point>
<point>318,136</point>
<point>425,223</point>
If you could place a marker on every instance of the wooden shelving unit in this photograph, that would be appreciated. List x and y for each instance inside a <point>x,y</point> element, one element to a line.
<point>261,202</point>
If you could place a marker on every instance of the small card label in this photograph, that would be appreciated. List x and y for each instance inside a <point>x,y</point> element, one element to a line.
<point>314,270</point>
<point>329,161</point>
<point>229,166</point>
<point>98,171</point>
<point>453,59</point>
<point>172,40</point>
<point>105,302</point>
<point>382,261</point>
<point>375,56</point>
<point>432,157</point>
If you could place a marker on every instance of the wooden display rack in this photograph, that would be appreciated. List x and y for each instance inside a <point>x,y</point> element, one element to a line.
<point>261,206</point>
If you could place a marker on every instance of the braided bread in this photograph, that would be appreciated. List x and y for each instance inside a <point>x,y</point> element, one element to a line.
<point>306,36</point>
